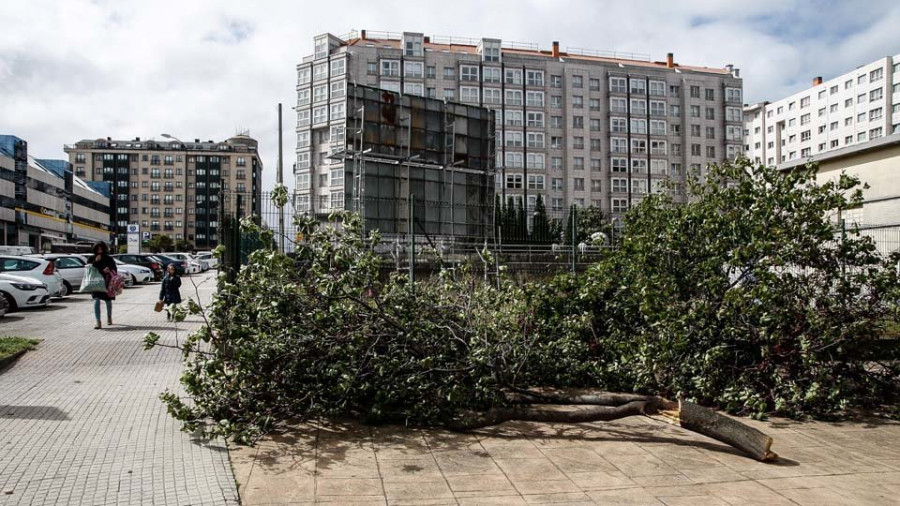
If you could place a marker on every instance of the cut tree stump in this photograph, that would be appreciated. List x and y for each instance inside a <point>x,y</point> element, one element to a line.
<point>580,405</point>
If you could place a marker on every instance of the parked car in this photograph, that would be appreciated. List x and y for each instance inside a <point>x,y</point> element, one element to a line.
<point>4,306</point>
<point>20,292</point>
<point>134,274</point>
<point>16,250</point>
<point>202,262</point>
<point>210,259</point>
<point>144,261</point>
<point>185,260</point>
<point>180,266</point>
<point>70,267</point>
<point>41,269</point>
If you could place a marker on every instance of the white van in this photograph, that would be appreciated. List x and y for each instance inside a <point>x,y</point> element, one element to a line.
<point>16,250</point>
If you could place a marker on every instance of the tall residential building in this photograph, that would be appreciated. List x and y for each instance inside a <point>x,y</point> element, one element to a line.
<point>43,202</point>
<point>845,111</point>
<point>577,126</point>
<point>172,187</point>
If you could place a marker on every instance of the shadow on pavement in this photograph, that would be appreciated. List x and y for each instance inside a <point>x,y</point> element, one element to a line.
<point>32,412</point>
<point>120,327</point>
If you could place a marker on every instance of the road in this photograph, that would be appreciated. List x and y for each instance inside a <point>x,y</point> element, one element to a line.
<point>80,417</point>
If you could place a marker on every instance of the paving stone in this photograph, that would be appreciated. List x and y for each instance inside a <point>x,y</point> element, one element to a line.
<point>83,409</point>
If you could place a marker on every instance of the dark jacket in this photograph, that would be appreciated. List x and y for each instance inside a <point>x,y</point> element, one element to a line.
<point>105,262</point>
<point>168,291</point>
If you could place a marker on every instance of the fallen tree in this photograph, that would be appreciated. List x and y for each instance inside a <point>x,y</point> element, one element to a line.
<point>742,300</point>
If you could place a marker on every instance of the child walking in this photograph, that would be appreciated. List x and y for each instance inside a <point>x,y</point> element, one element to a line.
<point>169,292</point>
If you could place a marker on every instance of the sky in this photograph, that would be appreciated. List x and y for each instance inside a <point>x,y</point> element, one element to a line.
<point>208,69</point>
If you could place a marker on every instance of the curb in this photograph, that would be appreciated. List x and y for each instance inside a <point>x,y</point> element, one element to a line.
<point>8,361</point>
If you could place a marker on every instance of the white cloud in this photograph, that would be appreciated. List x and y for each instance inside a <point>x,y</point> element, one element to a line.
<point>205,69</point>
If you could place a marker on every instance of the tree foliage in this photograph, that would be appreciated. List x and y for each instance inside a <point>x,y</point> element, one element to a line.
<point>745,298</point>
<point>161,243</point>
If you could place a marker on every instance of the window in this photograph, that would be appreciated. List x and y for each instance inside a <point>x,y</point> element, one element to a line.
<point>536,182</point>
<point>578,142</point>
<point>618,85</point>
<point>535,119</point>
<point>639,126</point>
<point>513,118</point>
<point>337,111</point>
<point>556,81</point>
<point>618,105</point>
<point>619,185</point>
<point>875,114</point>
<point>513,159</point>
<point>618,145</point>
<point>578,122</point>
<point>595,125</point>
<point>490,75</point>
<point>303,96</point>
<point>657,147</point>
<point>618,165</point>
<point>596,185</point>
<point>556,184</point>
<point>338,67</point>
<point>513,139</point>
<point>638,86</point>
<point>514,181</point>
<point>337,89</point>
<point>695,92</point>
<point>594,104</point>
<point>695,111</point>
<point>555,121</point>
<point>492,96</point>
<point>675,111</point>
<point>449,73</point>
<point>710,94</point>
<point>413,68</point>
<point>535,140</point>
<point>876,94</point>
<point>710,113</point>
<point>861,117</point>
<point>861,79</point>
<point>638,106</point>
<point>804,102</point>
<point>468,94</point>
<point>848,103</point>
<point>468,73</point>
<point>534,78</point>
<point>513,97</point>
<point>733,114</point>
<point>822,112</point>
<point>657,108</point>
<point>391,68</point>
<point>860,98</point>
<point>658,88</point>
<point>371,68</point>
<point>320,114</point>
<point>638,146</point>
<point>577,101</point>
<point>804,119</point>
<point>596,145</point>
<point>618,124</point>
<point>710,151</point>
<point>657,127</point>
<point>534,98</point>
<point>596,166</point>
<point>860,136</point>
<point>594,84</point>
<point>578,184</point>
<point>805,135</point>
<point>430,72</point>
<point>833,126</point>
<point>733,133</point>
<point>556,101</point>
<point>513,76</point>
<point>450,94</point>
<point>792,105</point>
<point>535,161</point>
<point>619,205</point>
<point>695,150</point>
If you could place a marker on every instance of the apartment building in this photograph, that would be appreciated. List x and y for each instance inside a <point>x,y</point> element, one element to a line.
<point>846,111</point>
<point>43,202</point>
<point>577,126</point>
<point>172,187</point>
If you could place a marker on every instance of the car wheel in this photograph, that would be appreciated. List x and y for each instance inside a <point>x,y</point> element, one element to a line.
<point>130,281</point>
<point>10,301</point>
<point>67,289</point>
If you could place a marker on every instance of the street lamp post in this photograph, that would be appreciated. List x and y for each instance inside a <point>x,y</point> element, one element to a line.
<point>184,222</point>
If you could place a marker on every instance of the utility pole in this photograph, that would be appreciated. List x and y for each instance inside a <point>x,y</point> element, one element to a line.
<point>280,182</point>
<point>412,241</point>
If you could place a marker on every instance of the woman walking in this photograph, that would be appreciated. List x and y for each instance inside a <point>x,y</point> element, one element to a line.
<point>169,292</point>
<point>107,267</point>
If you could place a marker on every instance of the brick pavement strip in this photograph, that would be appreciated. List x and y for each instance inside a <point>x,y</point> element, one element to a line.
<point>80,417</point>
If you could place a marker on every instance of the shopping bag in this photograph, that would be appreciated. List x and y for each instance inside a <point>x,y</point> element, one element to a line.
<point>92,281</point>
<point>159,306</point>
<point>116,285</point>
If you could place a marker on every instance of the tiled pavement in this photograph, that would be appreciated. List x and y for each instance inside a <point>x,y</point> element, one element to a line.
<point>630,461</point>
<point>80,418</point>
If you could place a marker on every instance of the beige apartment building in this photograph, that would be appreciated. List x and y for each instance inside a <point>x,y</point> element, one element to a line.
<point>172,187</point>
<point>575,126</point>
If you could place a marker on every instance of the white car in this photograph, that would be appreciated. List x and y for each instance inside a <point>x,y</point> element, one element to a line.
<point>210,259</point>
<point>40,269</point>
<point>134,273</point>
<point>190,266</point>
<point>70,267</point>
<point>21,292</point>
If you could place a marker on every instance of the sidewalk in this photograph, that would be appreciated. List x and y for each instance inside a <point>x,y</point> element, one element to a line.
<point>635,460</point>
<point>80,417</point>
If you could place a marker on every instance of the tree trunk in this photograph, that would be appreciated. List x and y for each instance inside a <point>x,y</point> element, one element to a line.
<point>579,405</point>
